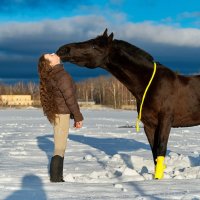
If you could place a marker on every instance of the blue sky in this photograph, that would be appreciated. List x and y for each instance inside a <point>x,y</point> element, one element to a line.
<point>168,30</point>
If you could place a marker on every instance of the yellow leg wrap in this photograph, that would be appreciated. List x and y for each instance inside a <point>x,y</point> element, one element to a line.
<point>160,167</point>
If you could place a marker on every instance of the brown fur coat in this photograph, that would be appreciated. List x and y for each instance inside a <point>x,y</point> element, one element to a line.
<point>57,92</point>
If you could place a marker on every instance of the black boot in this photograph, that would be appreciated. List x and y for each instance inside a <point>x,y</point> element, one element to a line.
<point>56,169</point>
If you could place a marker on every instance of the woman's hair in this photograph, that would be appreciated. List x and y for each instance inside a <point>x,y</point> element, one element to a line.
<point>46,95</point>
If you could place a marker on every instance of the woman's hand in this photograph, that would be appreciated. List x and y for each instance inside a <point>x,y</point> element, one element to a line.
<point>78,124</point>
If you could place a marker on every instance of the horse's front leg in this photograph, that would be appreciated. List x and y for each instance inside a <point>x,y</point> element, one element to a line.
<point>150,133</point>
<point>162,136</point>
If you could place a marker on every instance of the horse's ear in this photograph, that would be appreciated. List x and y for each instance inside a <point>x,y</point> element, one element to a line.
<point>105,33</point>
<point>110,37</point>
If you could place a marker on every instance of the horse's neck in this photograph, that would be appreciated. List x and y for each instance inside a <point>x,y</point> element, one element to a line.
<point>134,75</point>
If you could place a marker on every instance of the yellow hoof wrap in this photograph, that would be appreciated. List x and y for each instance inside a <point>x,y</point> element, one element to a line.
<point>160,167</point>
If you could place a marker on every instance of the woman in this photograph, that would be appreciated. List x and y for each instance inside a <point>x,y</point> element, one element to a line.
<point>57,95</point>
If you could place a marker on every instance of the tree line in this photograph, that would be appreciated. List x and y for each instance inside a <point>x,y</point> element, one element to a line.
<point>103,90</point>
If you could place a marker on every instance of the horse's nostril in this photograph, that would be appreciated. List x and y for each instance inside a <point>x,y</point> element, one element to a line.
<point>63,51</point>
<point>59,52</point>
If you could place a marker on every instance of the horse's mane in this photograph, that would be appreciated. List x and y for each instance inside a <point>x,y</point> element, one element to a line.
<point>133,50</point>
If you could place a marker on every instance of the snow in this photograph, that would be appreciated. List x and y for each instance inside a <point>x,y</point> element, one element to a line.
<point>106,159</point>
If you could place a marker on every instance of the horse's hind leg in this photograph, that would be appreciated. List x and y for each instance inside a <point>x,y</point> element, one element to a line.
<point>161,138</point>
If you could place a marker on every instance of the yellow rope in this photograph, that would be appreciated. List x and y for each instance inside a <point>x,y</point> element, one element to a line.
<point>144,95</point>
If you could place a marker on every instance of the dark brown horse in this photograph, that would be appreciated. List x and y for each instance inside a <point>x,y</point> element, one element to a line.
<point>171,101</point>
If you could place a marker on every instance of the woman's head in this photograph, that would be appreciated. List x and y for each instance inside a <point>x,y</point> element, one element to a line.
<point>46,63</point>
<point>53,58</point>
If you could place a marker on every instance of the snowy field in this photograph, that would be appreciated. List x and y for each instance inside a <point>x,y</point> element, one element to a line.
<point>105,160</point>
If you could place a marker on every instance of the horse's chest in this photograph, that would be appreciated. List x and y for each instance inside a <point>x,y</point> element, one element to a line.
<point>150,118</point>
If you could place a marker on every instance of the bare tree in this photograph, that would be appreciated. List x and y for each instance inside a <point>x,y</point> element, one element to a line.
<point>104,90</point>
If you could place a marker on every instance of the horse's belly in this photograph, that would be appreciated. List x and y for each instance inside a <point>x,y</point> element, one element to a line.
<point>186,120</point>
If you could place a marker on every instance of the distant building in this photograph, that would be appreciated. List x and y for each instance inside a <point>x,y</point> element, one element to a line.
<point>16,100</point>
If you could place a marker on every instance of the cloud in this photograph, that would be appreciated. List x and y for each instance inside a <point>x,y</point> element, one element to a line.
<point>81,27</point>
<point>162,34</point>
<point>188,15</point>
<point>21,43</point>
<point>189,19</point>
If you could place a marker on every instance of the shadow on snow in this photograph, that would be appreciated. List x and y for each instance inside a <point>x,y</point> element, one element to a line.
<point>31,189</point>
<point>110,146</point>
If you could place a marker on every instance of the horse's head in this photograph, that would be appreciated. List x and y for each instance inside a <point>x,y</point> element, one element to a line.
<point>91,53</point>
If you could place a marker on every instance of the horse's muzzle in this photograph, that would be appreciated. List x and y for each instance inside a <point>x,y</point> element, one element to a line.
<point>63,52</point>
